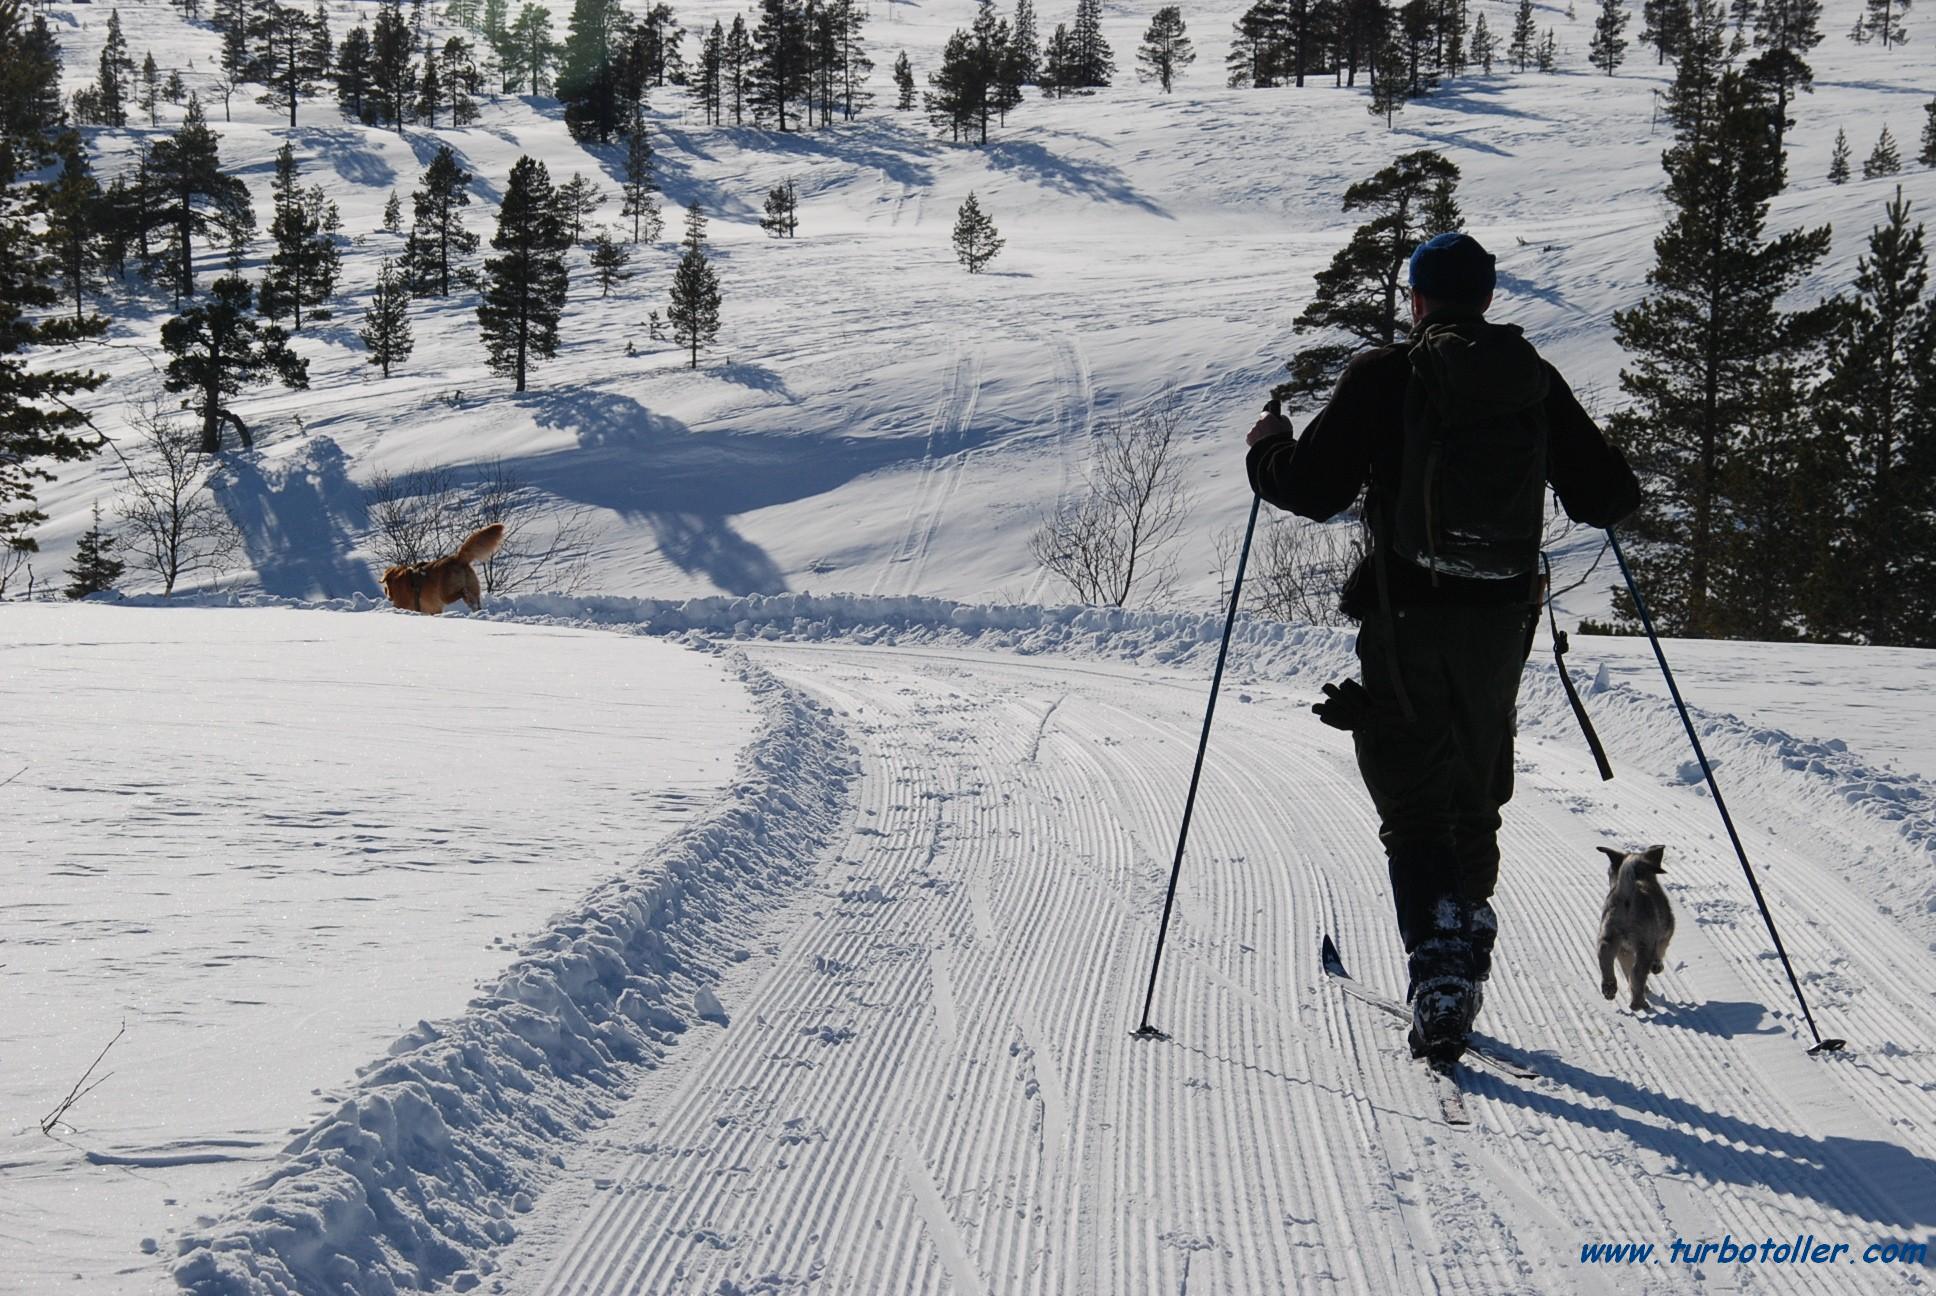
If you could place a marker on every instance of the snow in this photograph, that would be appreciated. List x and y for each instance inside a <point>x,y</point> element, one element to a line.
<point>269,841</point>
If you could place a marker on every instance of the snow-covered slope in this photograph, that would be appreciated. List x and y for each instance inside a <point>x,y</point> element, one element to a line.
<point>886,1048</point>
<point>875,420</point>
<point>270,841</point>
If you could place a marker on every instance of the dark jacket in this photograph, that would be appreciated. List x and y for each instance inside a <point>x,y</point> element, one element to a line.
<point>1357,439</point>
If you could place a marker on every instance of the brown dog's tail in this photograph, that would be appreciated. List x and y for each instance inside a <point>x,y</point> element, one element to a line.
<point>482,544</point>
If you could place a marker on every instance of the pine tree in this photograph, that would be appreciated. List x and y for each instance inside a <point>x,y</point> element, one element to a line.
<point>531,50</point>
<point>740,62</point>
<point>578,198</point>
<point>1838,161</point>
<point>291,58</point>
<point>305,264</point>
<point>1166,50</point>
<point>430,89</point>
<point>1389,69</point>
<point>386,321</point>
<point>39,423</point>
<point>1608,48</point>
<point>1928,156</point>
<point>393,70</point>
<point>393,214</point>
<point>904,82</point>
<point>693,311</point>
<point>588,72</point>
<point>1094,63</point>
<point>174,89</point>
<point>438,239</point>
<point>1548,59</point>
<point>782,211</point>
<point>115,81</point>
<point>525,284</point>
<point>609,257</point>
<point>1525,38</point>
<point>1361,293</point>
<point>709,86</point>
<point>1665,25</point>
<point>1059,74</point>
<point>30,91</point>
<point>460,77</point>
<point>641,205</point>
<point>1025,43</point>
<point>355,89</point>
<point>1785,30</point>
<point>976,240</point>
<point>75,211</point>
<point>149,93</point>
<point>1882,19</point>
<point>1883,160</point>
<point>1875,402</point>
<point>196,196</point>
<point>1705,340</point>
<point>218,349</point>
<point>1441,214</point>
<point>848,20</point>
<point>95,569</point>
<point>779,61</point>
<point>1484,47</point>
<point>955,89</point>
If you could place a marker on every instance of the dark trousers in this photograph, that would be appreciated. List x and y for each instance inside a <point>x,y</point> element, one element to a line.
<point>1438,780</point>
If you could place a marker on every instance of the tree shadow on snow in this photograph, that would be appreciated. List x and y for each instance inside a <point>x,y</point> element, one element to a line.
<point>1881,1183</point>
<point>348,152</point>
<point>1097,180</point>
<point>758,377</point>
<point>296,521</point>
<point>687,484</point>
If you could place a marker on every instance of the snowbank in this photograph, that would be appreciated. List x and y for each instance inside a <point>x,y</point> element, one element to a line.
<point>417,1176</point>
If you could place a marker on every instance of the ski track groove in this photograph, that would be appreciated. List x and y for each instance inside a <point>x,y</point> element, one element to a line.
<point>984,933</point>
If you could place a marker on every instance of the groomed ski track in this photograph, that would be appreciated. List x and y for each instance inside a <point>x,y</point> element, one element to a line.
<point>927,1081</point>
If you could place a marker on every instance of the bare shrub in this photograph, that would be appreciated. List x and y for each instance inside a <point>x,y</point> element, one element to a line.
<point>543,548</point>
<point>1108,545</point>
<point>425,513</point>
<point>1300,566</point>
<point>415,516</point>
<point>176,528</point>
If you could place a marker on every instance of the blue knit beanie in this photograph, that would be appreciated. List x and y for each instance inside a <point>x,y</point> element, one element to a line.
<point>1453,268</point>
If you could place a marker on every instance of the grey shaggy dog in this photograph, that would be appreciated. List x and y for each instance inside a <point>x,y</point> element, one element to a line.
<point>1636,922</point>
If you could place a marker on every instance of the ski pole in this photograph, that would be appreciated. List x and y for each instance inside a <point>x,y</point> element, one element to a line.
<point>1147,1031</point>
<point>1714,789</point>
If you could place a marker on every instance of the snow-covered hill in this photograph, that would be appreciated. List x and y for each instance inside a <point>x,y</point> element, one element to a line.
<point>877,421</point>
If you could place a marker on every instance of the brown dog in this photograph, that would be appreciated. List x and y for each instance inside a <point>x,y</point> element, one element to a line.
<point>430,587</point>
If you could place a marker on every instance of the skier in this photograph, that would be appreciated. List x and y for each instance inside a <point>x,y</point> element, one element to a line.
<point>1455,432</point>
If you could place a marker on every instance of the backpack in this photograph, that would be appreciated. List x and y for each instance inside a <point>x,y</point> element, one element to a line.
<point>1471,495</point>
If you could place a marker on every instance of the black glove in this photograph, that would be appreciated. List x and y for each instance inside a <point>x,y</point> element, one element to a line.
<point>1347,706</point>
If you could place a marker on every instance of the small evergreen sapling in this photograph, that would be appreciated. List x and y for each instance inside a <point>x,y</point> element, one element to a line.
<point>693,310</point>
<point>393,214</point>
<point>904,82</point>
<point>386,322</point>
<point>95,569</point>
<point>1838,161</point>
<point>610,257</point>
<point>1485,47</point>
<point>1928,156</point>
<point>976,239</point>
<point>782,211</point>
<point>1884,160</point>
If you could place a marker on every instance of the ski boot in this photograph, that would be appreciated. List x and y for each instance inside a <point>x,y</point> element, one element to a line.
<point>1447,969</point>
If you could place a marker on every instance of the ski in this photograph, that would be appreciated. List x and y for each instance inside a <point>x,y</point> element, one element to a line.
<point>1476,1054</point>
<point>1445,1078</point>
